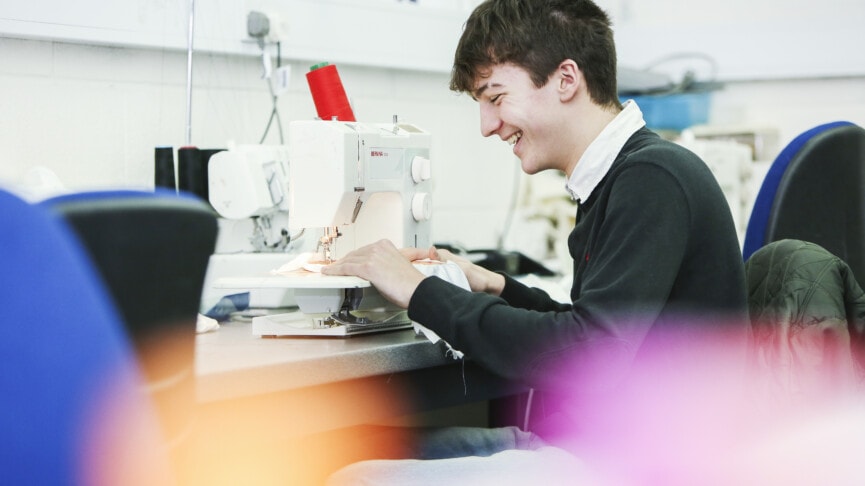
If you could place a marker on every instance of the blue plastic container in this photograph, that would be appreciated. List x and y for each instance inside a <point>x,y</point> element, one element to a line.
<point>674,111</point>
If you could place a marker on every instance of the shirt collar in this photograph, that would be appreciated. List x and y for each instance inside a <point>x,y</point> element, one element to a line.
<point>600,154</point>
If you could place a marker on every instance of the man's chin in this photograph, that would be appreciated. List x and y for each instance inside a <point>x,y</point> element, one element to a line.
<point>529,168</point>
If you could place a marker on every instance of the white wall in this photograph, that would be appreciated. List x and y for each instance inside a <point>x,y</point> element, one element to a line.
<point>748,39</point>
<point>791,106</point>
<point>93,115</point>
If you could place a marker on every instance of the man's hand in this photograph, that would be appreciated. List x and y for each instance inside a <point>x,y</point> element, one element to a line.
<point>480,279</point>
<point>387,269</point>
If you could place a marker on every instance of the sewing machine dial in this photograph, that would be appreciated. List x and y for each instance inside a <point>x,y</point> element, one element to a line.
<point>421,206</point>
<point>420,169</point>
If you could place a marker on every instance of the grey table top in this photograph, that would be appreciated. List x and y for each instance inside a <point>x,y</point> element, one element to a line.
<point>231,362</point>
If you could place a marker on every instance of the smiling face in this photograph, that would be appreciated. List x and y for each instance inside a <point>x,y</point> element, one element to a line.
<point>527,117</point>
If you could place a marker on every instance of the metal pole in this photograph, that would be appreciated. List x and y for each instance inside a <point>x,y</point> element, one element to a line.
<point>189,73</point>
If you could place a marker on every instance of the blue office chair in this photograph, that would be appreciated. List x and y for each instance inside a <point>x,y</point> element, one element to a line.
<point>152,249</point>
<point>815,191</point>
<point>65,355</point>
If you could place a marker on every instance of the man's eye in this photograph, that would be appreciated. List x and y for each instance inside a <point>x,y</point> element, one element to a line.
<point>495,98</point>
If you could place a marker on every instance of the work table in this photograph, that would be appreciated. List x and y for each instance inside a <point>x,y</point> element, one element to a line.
<point>231,362</point>
<point>306,385</point>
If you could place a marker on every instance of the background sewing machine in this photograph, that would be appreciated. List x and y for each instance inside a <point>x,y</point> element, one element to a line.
<point>248,187</point>
<point>349,184</point>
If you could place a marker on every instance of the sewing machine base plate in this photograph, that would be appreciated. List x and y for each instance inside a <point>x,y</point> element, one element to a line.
<point>298,324</point>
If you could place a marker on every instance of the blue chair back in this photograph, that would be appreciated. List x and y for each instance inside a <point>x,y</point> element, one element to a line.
<point>152,249</point>
<point>815,191</point>
<point>64,350</point>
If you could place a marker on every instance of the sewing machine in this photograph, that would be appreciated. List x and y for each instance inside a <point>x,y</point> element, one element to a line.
<point>349,184</point>
<point>248,188</point>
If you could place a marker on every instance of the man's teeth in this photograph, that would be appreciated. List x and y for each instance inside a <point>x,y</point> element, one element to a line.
<point>514,138</point>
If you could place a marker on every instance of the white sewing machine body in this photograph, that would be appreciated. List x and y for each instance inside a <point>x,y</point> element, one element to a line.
<point>354,184</point>
<point>370,181</point>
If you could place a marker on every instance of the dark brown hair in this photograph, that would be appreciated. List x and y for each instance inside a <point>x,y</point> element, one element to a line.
<point>537,35</point>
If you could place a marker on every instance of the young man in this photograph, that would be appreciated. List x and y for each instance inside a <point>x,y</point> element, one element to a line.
<point>657,267</point>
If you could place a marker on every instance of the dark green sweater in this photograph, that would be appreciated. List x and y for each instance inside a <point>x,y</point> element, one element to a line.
<point>655,251</point>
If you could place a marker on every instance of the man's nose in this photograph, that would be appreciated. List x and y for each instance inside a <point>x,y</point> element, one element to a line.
<point>490,121</point>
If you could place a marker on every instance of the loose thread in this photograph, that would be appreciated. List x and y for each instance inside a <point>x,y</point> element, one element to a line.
<point>465,385</point>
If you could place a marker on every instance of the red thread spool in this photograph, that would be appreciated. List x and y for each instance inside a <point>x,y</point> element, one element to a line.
<point>328,93</point>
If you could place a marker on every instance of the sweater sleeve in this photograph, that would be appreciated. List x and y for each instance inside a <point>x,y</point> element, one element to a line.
<point>631,266</point>
<point>519,295</point>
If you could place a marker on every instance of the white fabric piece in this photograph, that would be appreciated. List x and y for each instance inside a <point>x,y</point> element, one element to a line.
<point>449,272</point>
<point>205,324</point>
<point>304,260</point>
<point>296,263</point>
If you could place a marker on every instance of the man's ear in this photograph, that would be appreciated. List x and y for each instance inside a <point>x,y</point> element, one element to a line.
<point>569,79</point>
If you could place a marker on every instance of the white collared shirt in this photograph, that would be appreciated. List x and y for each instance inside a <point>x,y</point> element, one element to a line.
<point>600,154</point>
